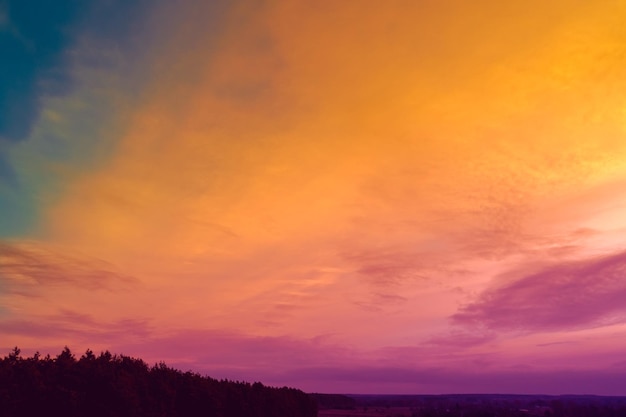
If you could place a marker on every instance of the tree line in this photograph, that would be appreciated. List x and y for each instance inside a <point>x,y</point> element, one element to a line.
<point>108,385</point>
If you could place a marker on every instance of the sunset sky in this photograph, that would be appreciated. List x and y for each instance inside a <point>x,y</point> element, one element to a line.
<point>356,196</point>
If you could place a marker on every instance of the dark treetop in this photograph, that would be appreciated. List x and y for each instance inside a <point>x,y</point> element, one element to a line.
<point>117,385</point>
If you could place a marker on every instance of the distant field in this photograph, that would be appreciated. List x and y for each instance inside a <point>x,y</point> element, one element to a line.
<point>455,405</point>
<point>368,412</point>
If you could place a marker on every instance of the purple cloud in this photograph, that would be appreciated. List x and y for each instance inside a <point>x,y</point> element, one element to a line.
<point>215,352</point>
<point>26,267</point>
<point>388,267</point>
<point>461,339</point>
<point>572,295</point>
<point>381,380</point>
<point>315,365</point>
<point>75,327</point>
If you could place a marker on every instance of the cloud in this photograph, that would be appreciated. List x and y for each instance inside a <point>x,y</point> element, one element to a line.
<point>223,353</point>
<point>27,268</point>
<point>387,266</point>
<point>38,45</point>
<point>565,342</point>
<point>381,380</point>
<point>35,45</point>
<point>73,70</point>
<point>461,339</point>
<point>7,173</point>
<point>78,327</point>
<point>572,295</point>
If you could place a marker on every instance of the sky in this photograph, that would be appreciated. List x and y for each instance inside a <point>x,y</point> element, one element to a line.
<point>410,196</point>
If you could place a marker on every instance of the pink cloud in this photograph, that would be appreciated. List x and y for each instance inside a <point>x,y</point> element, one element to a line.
<point>432,380</point>
<point>388,267</point>
<point>571,295</point>
<point>461,339</point>
<point>74,327</point>
<point>314,365</point>
<point>231,354</point>
<point>26,268</point>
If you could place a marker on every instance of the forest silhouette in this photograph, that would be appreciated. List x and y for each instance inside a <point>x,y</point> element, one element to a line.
<point>121,386</point>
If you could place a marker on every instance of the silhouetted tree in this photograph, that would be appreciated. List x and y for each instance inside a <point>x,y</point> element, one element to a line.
<point>120,386</point>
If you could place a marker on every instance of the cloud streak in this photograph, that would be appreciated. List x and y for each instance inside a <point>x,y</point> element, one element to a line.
<point>29,269</point>
<point>441,381</point>
<point>568,296</point>
<point>70,325</point>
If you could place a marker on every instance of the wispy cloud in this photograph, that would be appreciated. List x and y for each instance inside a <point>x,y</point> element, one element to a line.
<point>461,339</point>
<point>29,268</point>
<point>565,342</point>
<point>77,327</point>
<point>227,353</point>
<point>433,380</point>
<point>571,295</point>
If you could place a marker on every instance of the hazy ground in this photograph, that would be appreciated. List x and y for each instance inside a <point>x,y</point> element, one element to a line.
<point>369,412</point>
